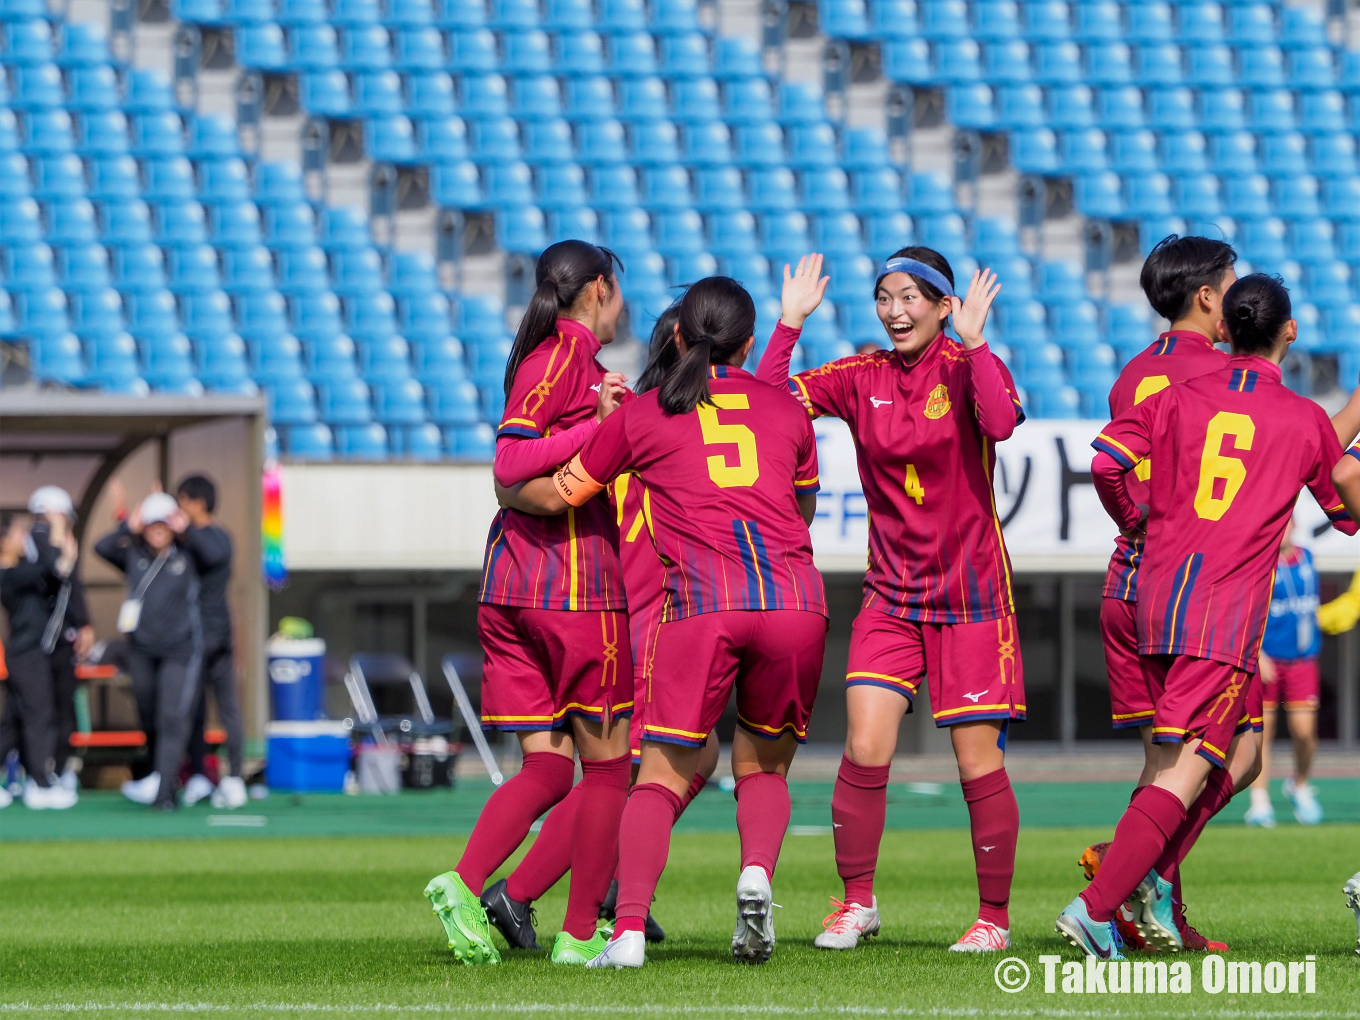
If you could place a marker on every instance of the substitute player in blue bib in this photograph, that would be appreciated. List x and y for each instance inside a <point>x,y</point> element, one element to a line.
<point>1289,673</point>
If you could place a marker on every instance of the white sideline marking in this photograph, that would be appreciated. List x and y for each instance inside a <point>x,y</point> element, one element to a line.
<point>614,1010</point>
<point>239,821</point>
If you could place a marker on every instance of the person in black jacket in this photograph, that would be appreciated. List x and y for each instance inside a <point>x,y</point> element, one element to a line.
<point>210,546</point>
<point>32,570</point>
<point>165,639</point>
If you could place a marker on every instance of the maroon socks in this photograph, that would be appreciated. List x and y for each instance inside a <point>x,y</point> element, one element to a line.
<point>550,856</point>
<point>859,806</point>
<point>763,811</point>
<point>1139,839</point>
<point>644,843</point>
<point>595,840</point>
<point>995,821</point>
<point>544,780</point>
<point>1218,790</point>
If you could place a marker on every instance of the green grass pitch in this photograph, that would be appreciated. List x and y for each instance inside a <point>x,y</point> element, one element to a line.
<point>305,926</point>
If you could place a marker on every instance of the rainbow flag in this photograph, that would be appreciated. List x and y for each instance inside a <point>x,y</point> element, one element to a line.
<point>271,527</point>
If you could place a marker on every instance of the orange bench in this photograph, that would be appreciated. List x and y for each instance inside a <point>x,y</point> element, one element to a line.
<point>132,738</point>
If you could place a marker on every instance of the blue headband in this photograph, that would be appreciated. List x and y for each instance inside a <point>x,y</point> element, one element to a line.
<point>931,276</point>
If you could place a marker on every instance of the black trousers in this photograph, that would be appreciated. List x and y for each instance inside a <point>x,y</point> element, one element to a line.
<point>29,722</point>
<point>165,687</point>
<point>219,679</point>
<point>64,684</point>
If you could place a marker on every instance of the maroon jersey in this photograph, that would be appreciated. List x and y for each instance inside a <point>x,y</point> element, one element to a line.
<point>570,561</point>
<point>1232,448</point>
<point>1174,358</point>
<point>644,578</point>
<point>723,482</point>
<point>936,554</point>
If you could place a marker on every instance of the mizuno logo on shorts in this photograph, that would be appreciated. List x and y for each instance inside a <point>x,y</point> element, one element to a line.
<point>974,697</point>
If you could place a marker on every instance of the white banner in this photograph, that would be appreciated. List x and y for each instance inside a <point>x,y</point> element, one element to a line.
<point>1049,510</point>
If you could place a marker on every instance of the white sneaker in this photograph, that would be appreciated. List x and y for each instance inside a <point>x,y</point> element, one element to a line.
<point>627,949</point>
<point>982,937</point>
<point>1307,810</point>
<point>196,789</point>
<point>847,924</point>
<point>5,799</point>
<point>48,798</point>
<point>70,780</point>
<point>753,939</point>
<point>142,791</point>
<point>230,794</point>
<point>1260,814</point>
<point>1352,891</point>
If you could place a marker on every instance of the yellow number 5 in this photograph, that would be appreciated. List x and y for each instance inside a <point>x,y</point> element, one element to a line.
<point>1213,465</point>
<point>747,468</point>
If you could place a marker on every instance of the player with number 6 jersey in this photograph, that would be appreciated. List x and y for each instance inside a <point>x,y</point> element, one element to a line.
<point>938,605</point>
<point>1231,451</point>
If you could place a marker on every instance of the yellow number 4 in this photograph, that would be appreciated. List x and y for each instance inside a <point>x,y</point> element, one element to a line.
<point>747,468</point>
<point>914,489</point>
<point>1213,465</point>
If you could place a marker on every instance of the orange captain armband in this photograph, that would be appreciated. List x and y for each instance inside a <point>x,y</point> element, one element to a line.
<point>574,484</point>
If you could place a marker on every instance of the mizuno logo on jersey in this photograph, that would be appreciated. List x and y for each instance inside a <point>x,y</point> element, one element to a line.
<point>596,387</point>
<point>878,403</point>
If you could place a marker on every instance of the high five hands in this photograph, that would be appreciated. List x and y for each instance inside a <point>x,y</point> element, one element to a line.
<point>803,291</point>
<point>970,314</point>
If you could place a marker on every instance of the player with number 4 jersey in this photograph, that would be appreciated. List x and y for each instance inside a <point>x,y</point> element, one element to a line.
<point>938,606</point>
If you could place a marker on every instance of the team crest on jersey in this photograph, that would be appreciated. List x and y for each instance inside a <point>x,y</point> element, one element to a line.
<point>937,404</point>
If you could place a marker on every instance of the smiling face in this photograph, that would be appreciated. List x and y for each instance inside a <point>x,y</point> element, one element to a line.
<point>158,535</point>
<point>911,319</point>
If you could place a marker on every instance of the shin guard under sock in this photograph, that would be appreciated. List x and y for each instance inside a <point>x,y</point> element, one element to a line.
<point>544,779</point>
<point>995,821</point>
<point>1139,839</point>
<point>595,840</point>
<point>763,812</point>
<point>644,843</point>
<point>859,806</point>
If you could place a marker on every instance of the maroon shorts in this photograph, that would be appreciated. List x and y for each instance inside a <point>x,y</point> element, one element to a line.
<point>1134,687</point>
<point>774,657</point>
<point>1254,715</point>
<point>1298,684</point>
<point>974,669</point>
<point>1201,699</point>
<point>642,626</point>
<point>544,665</point>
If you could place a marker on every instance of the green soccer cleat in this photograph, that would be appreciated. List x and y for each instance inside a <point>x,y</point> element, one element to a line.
<point>464,919</point>
<point>574,952</point>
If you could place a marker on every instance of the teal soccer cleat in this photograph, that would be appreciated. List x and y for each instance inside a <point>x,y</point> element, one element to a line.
<point>1154,914</point>
<point>1099,939</point>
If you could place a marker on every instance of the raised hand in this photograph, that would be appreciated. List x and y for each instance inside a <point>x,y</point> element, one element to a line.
<point>803,291</point>
<point>612,388</point>
<point>970,314</point>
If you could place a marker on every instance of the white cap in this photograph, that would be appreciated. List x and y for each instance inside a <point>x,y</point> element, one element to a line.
<point>158,508</point>
<point>51,499</point>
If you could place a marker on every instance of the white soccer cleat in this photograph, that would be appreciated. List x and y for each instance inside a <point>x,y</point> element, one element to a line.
<point>847,924</point>
<point>230,794</point>
<point>753,938</point>
<point>70,780</point>
<point>1352,891</point>
<point>1260,815</point>
<point>5,799</point>
<point>48,798</point>
<point>142,791</point>
<point>982,937</point>
<point>196,789</point>
<point>627,949</point>
<point>1307,810</point>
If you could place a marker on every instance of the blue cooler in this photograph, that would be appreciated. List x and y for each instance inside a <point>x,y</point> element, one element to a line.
<point>295,671</point>
<point>307,757</point>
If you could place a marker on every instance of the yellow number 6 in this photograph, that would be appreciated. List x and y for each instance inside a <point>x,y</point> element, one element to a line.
<point>747,468</point>
<point>1213,465</point>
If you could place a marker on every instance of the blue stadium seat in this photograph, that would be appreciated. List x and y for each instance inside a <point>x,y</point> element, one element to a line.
<point>695,101</point>
<point>678,232</point>
<point>886,232</point>
<point>1057,63</point>
<point>1134,152</point>
<point>484,96</point>
<point>139,268</point>
<point>508,185</point>
<point>37,87</point>
<point>71,222</point>
<point>1071,108</point>
<point>261,46</point>
<point>223,180</point>
<point>560,186</point>
<point>545,141</point>
<point>1109,63</point>
<point>811,146</point>
<point>653,143</point>
<point>536,97</point>
<point>148,91</point>
<point>377,93</point>
<point>784,236</point>
<point>91,88</point>
<point>1201,22</point>
<point>344,227</point>
<point>1047,20</point>
<point>361,442</point>
<point>1322,112</point>
<point>1121,109</point>
<point>1197,196</point>
<point>568,15</point>
<point>760,145</point>
<point>207,315</point>
<point>330,358</point>
<point>1034,151</point>
<point>213,136</point>
<point>1312,241</point>
<point>194,270</point>
<point>1246,196</point>
<point>1263,241</point>
<point>1333,155</point>
<point>840,19</point>
<point>613,187</point>
<point>908,61</point>
<point>313,48</point>
<point>83,44</point>
<point>1297,198</point>
<point>666,187</point>
<point>408,13</point>
<point>111,179</point>
<point>995,238</point>
<point>315,316</point>
<point>642,99</point>
<point>1209,67</point>
<point>1084,151</point>
<point>1260,67</point>
<point>707,144</point>
<point>1251,24</point>
<point>290,226</point>
<point>970,106</point>
<point>390,139</point>
<point>1272,111</point>
<point>1329,283</point>
<point>1185,152</point>
<point>439,361</point>
<point>930,193</point>
<point>943,19</point>
<point>581,222</point>
<point>29,267</point>
<point>20,222</point>
<point>748,101</point>
<point>369,48</point>
<point>423,442</point>
<point>1171,109</point>
<point>324,93</point>
<point>1311,69</point>
<point>152,314</point>
<point>524,52</point>
<point>838,234</point>
<point>1148,23</point>
<point>771,189</point>
<point>236,225</point>
<point>425,318</point>
<point>1283,155</point>
<point>736,56</point>
<point>718,189</point>
<point>627,230</point>
<point>355,12</point>
<point>496,140</point>
<point>278,183</point>
<point>1301,27</point>
<point>947,234</point>
<point>55,178</point>
<point>356,271</point>
<point>1098,195</point>
<point>589,98</point>
<point>685,56</point>
<point>801,103</point>
<point>47,133</point>
<point>471,51</point>
<point>580,54</point>
<point>1233,154</point>
<point>97,313</point>
<point>996,21</point>
<point>371,318</point>
<point>309,442</point>
<point>471,443</point>
<point>957,61</point>
<point>1160,65</point>
<point>1021,107</point>
<point>825,190</point>
<point>1147,195</point>
<point>733,235</point>
<point>28,42</point>
<point>84,267</point>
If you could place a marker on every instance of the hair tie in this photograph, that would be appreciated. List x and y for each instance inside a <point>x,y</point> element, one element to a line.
<point>931,275</point>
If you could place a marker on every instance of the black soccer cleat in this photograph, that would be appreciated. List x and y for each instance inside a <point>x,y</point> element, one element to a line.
<point>513,919</point>
<point>610,899</point>
<point>652,931</point>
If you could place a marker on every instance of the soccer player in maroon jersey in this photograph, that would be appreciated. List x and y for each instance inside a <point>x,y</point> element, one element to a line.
<point>1184,279</point>
<point>552,619</point>
<point>731,468</point>
<point>1231,450</point>
<point>925,417</point>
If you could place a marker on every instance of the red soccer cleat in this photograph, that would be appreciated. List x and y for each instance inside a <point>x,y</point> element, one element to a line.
<point>1191,940</point>
<point>1123,918</point>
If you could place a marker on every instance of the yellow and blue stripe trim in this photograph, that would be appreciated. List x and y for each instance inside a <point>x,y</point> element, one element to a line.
<point>772,732</point>
<point>1242,380</point>
<point>1117,450</point>
<point>509,723</point>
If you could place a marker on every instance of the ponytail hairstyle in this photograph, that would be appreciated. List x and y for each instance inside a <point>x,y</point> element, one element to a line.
<point>1255,309</point>
<point>717,317</point>
<point>930,258</point>
<point>662,353</point>
<point>563,271</point>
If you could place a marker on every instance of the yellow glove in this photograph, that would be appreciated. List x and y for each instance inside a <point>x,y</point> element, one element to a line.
<point>1343,612</point>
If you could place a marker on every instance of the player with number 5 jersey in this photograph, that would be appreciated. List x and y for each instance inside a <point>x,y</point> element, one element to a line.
<point>1231,450</point>
<point>938,607</point>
